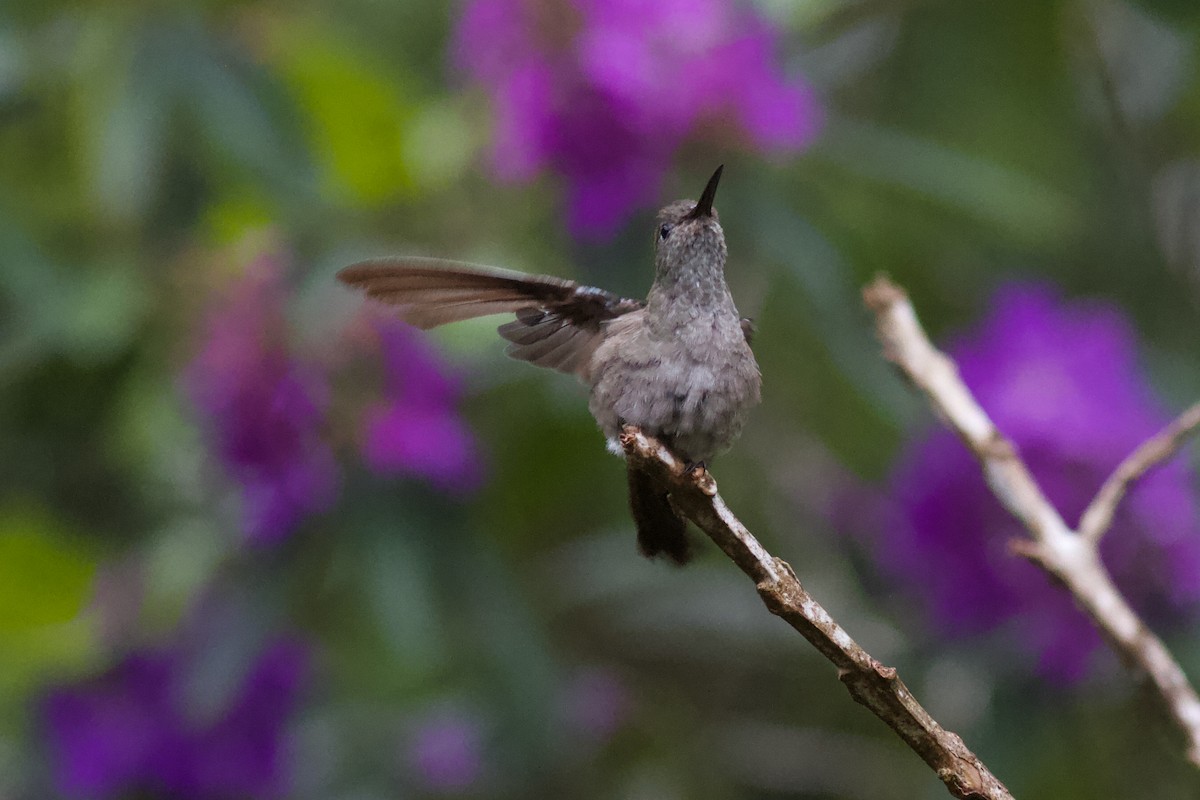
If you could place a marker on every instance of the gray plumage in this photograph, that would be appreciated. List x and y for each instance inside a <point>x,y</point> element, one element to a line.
<point>678,366</point>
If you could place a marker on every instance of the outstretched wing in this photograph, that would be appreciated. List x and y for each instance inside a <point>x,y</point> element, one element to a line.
<point>558,322</point>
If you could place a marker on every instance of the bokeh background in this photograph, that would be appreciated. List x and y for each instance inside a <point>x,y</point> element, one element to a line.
<point>258,540</point>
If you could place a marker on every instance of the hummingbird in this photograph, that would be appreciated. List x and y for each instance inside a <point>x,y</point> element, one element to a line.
<point>677,365</point>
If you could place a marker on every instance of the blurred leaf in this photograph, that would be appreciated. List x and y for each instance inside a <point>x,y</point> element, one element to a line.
<point>43,579</point>
<point>1020,205</point>
<point>179,561</point>
<point>815,762</point>
<point>1179,11</point>
<point>356,117</point>
<point>14,66</point>
<point>508,640</point>
<point>1145,61</point>
<point>88,317</point>
<point>27,284</point>
<point>231,102</point>
<point>1176,203</point>
<point>832,302</point>
<point>440,143</point>
<point>225,636</point>
<point>707,612</point>
<point>122,110</point>
<point>105,311</point>
<point>236,213</point>
<point>804,13</point>
<point>856,49</point>
<point>398,580</point>
<point>29,658</point>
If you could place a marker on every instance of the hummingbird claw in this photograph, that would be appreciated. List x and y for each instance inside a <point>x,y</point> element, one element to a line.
<point>698,471</point>
<point>627,435</point>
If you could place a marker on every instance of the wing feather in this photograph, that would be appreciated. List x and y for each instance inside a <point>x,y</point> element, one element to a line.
<point>558,322</point>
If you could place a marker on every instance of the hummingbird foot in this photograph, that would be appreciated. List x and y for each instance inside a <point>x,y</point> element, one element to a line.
<point>625,438</point>
<point>698,472</point>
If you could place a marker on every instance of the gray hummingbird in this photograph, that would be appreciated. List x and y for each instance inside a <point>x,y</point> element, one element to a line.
<point>677,365</point>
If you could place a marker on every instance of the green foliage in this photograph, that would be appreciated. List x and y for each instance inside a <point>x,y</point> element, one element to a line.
<point>355,117</point>
<point>149,151</point>
<point>43,579</point>
<point>46,583</point>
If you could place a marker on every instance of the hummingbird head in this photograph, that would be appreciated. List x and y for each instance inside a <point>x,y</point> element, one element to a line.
<point>688,234</point>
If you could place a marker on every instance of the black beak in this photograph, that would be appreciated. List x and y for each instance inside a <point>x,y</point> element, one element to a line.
<point>704,206</point>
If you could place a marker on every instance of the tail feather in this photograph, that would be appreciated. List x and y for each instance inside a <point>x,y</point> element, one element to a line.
<point>660,531</point>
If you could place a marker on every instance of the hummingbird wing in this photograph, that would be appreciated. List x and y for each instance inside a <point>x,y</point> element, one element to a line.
<point>558,322</point>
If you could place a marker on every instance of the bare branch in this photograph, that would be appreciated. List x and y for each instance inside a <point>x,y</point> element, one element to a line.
<point>1098,516</point>
<point>870,683</point>
<point>1070,558</point>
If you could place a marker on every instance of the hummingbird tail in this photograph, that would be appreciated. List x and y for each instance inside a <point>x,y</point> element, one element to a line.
<point>660,531</point>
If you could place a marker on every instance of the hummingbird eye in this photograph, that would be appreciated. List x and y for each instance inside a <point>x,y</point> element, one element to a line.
<point>664,231</point>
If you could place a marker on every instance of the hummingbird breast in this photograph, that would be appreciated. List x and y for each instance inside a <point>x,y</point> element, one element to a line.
<point>690,384</point>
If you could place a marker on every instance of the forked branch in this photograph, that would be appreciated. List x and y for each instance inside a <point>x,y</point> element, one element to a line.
<point>1069,556</point>
<point>1098,516</point>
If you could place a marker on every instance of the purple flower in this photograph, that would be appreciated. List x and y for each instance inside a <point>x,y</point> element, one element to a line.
<point>1061,380</point>
<point>446,751</point>
<point>605,91</point>
<point>264,408</point>
<point>131,730</point>
<point>416,430</point>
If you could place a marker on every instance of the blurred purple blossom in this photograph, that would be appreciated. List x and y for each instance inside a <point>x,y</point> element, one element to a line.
<point>596,703</point>
<point>605,91</point>
<point>264,408</point>
<point>446,751</point>
<point>131,730</point>
<point>416,430</point>
<point>1061,380</point>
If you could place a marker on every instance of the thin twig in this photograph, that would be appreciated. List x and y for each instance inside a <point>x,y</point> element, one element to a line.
<point>1098,516</point>
<point>1070,558</point>
<point>878,687</point>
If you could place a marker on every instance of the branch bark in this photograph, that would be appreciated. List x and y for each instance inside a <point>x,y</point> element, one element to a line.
<point>1098,516</point>
<point>1069,557</point>
<point>869,682</point>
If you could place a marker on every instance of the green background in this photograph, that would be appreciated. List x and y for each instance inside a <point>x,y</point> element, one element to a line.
<point>149,150</point>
